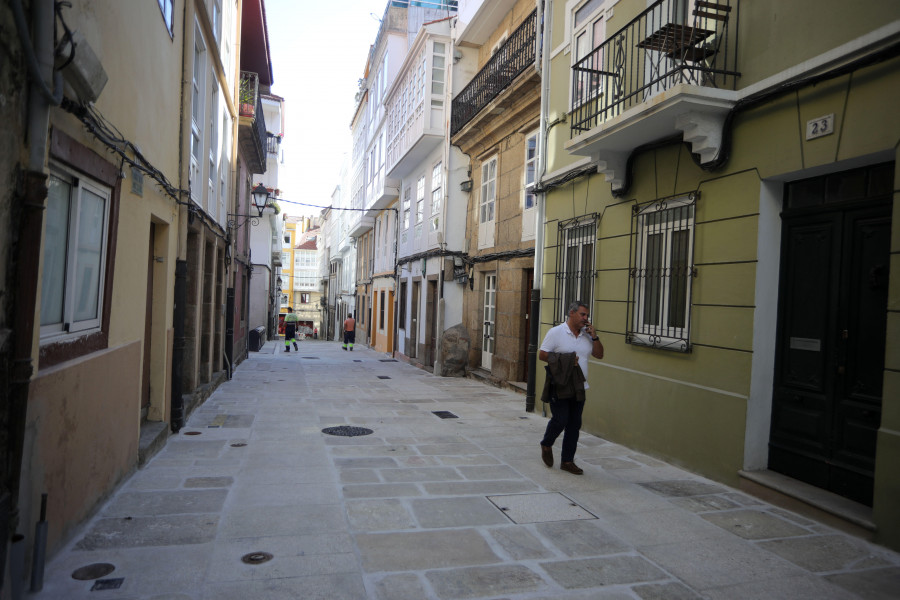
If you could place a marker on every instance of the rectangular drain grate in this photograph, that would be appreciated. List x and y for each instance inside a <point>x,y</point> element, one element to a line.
<point>108,584</point>
<point>310,357</point>
<point>444,414</point>
<point>357,360</point>
<point>383,377</point>
<point>387,360</point>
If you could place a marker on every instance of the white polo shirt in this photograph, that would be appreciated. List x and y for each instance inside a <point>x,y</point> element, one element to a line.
<point>561,339</point>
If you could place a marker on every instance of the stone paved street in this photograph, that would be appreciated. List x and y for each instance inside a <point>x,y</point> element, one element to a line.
<point>432,508</point>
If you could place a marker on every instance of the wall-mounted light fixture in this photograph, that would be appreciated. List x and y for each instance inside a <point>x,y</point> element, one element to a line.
<point>466,185</point>
<point>260,195</point>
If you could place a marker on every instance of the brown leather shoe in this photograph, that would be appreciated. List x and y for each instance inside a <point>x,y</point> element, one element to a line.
<point>571,468</point>
<point>547,455</point>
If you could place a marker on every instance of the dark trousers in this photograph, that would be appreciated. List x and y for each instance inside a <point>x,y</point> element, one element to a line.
<point>566,418</point>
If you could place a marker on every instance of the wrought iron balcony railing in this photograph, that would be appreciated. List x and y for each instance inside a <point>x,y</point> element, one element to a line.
<point>671,42</point>
<point>248,93</point>
<point>254,142</point>
<point>273,144</point>
<point>513,57</point>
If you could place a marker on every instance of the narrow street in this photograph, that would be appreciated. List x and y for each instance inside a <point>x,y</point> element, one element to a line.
<point>430,508</point>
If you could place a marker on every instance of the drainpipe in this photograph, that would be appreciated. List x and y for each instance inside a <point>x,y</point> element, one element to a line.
<point>39,60</point>
<point>540,197</point>
<point>229,329</point>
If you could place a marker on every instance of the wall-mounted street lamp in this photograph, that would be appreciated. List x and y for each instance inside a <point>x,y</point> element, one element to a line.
<point>260,200</point>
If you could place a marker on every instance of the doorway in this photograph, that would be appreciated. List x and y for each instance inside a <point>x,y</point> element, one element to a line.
<point>148,326</point>
<point>431,311</point>
<point>829,363</point>
<point>488,336</point>
<point>414,320</point>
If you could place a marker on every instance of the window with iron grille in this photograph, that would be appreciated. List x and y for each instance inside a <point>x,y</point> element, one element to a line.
<point>660,290</point>
<point>575,263</point>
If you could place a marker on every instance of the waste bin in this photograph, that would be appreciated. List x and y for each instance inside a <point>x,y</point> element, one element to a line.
<point>257,338</point>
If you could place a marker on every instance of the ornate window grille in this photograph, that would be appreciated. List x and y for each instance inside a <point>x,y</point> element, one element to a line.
<point>575,263</point>
<point>659,308</point>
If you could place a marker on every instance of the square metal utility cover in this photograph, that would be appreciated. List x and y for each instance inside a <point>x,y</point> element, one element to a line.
<point>108,584</point>
<point>539,508</point>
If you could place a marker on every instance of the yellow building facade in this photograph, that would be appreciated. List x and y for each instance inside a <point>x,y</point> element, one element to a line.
<point>719,187</point>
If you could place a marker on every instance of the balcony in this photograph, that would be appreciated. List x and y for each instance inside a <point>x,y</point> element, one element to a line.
<point>671,68</point>
<point>415,115</point>
<point>252,134</point>
<point>273,143</point>
<point>514,57</point>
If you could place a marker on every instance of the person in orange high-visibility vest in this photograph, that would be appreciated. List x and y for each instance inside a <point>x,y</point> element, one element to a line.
<point>349,332</point>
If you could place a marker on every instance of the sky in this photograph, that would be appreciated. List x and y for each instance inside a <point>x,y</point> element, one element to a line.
<point>319,51</point>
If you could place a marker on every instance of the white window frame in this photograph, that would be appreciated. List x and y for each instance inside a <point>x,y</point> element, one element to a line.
<point>198,113</point>
<point>487,201</point>
<point>662,218</point>
<point>407,197</point>
<point>166,7</point>
<point>529,178</point>
<point>437,187</point>
<point>72,273</point>
<point>591,26</point>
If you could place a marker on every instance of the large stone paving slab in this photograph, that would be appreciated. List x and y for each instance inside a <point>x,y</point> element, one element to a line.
<point>415,551</point>
<point>597,572</point>
<point>875,584</point>
<point>824,553</point>
<point>167,530</point>
<point>379,515</point>
<point>346,586</point>
<point>581,538</point>
<point>754,524</point>
<point>481,582</point>
<point>707,564</point>
<point>520,544</point>
<point>456,512</point>
<point>167,502</point>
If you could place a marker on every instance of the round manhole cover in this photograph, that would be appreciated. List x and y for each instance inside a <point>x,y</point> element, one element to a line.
<point>256,558</point>
<point>192,432</point>
<point>238,445</point>
<point>347,431</point>
<point>94,571</point>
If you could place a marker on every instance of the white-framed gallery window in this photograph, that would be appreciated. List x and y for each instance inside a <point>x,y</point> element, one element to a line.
<point>168,15</point>
<point>212,200</point>
<point>588,33</point>
<point>437,195</point>
<point>420,204</point>
<point>407,196</point>
<point>74,261</point>
<point>487,201</point>
<point>198,97</point>
<point>529,176</point>
<point>660,296</point>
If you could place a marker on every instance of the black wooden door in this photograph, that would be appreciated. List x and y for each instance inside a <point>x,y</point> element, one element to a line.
<point>831,342</point>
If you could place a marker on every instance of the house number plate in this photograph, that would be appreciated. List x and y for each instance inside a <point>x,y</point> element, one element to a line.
<point>821,126</point>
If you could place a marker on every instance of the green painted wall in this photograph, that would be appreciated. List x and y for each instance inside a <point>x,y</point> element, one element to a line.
<point>691,408</point>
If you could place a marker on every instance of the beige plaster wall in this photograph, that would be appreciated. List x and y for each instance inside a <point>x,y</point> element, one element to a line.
<point>81,437</point>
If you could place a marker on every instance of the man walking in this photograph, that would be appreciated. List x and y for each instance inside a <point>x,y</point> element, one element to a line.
<point>566,348</point>
<point>290,329</point>
<point>349,332</point>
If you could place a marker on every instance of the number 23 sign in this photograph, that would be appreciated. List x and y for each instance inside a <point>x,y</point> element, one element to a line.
<point>820,126</point>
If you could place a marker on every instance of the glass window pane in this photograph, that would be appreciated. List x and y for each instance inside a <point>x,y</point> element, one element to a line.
<point>88,255</point>
<point>652,275</point>
<point>53,278</point>
<point>679,279</point>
